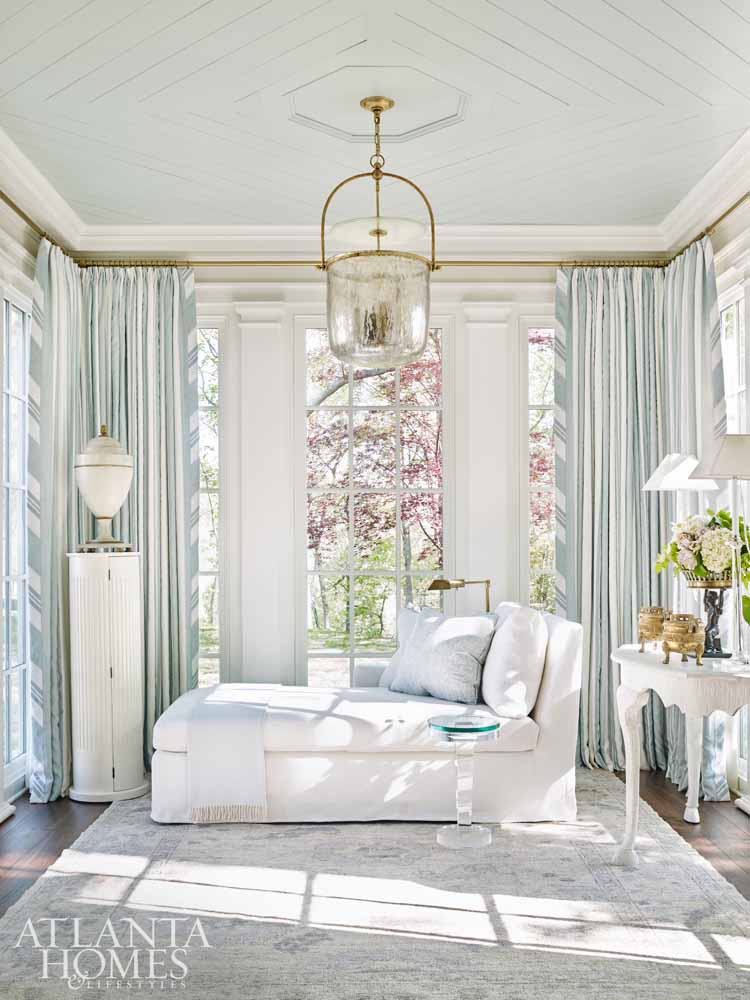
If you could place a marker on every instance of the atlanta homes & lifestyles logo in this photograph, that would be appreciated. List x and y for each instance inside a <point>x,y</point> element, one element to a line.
<point>151,955</point>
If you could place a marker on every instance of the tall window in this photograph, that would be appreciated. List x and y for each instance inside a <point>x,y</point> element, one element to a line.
<point>15,333</point>
<point>735,389</point>
<point>541,349</point>
<point>374,503</point>
<point>208,388</point>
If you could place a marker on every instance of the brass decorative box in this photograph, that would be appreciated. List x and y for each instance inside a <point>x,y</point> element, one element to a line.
<point>683,633</point>
<point>650,624</point>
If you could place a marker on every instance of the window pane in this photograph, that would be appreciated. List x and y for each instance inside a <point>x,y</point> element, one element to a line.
<point>15,612</point>
<point>16,356</point>
<point>741,343</point>
<point>541,449</point>
<point>421,449</point>
<point>15,441</point>
<point>414,592</point>
<point>327,378</point>
<point>328,672</point>
<point>542,530</point>
<point>16,694</point>
<point>327,449</point>
<point>328,613</point>
<point>375,530</point>
<point>422,381</point>
<point>374,455</point>
<point>208,532</point>
<point>421,531</point>
<point>542,595</point>
<point>729,347</point>
<point>209,614</point>
<point>327,531</point>
<point>208,671</point>
<point>374,387</point>
<point>542,367</point>
<point>374,613</point>
<point>16,533</point>
<point>209,449</point>
<point>208,367</point>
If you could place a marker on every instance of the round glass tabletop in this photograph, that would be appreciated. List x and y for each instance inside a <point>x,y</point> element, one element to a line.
<point>471,722</point>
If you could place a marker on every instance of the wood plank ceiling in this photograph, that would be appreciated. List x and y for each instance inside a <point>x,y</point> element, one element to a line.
<point>246,111</point>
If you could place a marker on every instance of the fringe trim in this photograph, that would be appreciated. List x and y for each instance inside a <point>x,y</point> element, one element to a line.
<point>228,814</point>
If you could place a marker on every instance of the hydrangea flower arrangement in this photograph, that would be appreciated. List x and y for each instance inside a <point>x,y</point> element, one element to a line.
<point>702,545</point>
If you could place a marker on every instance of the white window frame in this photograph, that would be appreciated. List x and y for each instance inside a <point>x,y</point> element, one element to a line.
<point>525,324</point>
<point>206,321</point>
<point>14,773</point>
<point>738,295</point>
<point>302,323</point>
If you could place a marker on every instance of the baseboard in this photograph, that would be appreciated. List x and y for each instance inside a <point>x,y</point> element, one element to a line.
<point>743,803</point>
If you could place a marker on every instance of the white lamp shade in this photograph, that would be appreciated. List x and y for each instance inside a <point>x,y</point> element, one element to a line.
<point>674,473</point>
<point>730,460</point>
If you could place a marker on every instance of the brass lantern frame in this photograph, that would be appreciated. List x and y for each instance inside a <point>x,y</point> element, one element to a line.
<point>377,105</point>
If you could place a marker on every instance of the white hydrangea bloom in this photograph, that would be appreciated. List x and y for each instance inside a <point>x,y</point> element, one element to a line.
<point>716,549</point>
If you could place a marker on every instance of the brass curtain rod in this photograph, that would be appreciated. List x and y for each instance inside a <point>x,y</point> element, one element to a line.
<point>83,261</point>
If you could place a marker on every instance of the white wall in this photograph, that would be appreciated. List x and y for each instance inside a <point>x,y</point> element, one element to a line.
<point>263,549</point>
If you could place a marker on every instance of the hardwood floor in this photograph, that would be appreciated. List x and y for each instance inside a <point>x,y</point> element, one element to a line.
<point>722,836</point>
<point>35,837</point>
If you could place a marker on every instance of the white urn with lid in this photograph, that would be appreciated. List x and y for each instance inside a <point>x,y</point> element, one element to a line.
<point>104,472</point>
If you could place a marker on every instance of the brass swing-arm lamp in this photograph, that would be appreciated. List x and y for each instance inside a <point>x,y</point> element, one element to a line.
<point>442,584</point>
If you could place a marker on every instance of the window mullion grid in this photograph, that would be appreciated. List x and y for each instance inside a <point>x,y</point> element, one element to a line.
<point>399,562</point>
<point>350,595</point>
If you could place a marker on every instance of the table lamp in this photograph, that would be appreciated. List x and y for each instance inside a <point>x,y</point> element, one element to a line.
<point>731,461</point>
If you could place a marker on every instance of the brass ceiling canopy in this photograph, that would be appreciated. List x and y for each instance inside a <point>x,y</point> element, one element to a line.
<point>378,301</point>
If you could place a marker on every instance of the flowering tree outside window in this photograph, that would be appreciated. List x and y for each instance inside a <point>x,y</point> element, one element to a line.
<point>208,401</point>
<point>374,503</point>
<point>541,348</point>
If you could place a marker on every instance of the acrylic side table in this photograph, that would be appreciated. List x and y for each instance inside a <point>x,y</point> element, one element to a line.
<point>698,691</point>
<point>464,732</point>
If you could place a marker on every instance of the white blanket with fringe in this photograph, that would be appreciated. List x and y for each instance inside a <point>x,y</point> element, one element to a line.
<point>226,757</point>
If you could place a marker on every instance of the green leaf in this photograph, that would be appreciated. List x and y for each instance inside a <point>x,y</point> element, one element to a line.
<point>746,609</point>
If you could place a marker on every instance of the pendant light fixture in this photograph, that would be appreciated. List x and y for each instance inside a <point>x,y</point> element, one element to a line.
<point>378,301</point>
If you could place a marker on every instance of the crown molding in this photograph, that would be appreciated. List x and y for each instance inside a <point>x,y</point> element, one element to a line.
<point>269,242</point>
<point>724,183</point>
<point>31,190</point>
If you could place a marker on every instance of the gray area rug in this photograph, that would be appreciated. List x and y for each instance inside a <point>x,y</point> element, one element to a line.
<point>371,911</point>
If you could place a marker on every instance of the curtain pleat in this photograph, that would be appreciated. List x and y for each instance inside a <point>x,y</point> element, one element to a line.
<point>114,346</point>
<point>637,375</point>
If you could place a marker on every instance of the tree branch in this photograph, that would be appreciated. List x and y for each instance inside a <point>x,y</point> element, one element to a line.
<point>341,382</point>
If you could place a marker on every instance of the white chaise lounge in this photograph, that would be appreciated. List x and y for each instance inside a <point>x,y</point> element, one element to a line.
<point>366,753</point>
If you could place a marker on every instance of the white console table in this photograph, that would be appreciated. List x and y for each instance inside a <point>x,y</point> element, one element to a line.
<point>698,691</point>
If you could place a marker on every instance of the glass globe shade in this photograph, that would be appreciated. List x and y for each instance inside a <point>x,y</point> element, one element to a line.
<point>378,308</point>
<point>362,232</point>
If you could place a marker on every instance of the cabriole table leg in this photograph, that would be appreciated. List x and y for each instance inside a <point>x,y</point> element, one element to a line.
<point>629,705</point>
<point>694,746</point>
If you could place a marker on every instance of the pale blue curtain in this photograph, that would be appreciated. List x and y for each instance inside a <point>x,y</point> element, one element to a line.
<point>52,513</point>
<point>638,375</point>
<point>139,376</point>
<point>115,346</point>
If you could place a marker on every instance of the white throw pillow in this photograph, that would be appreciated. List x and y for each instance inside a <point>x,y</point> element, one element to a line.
<point>444,658</point>
<point>407,622</point>
<point>515,664</point>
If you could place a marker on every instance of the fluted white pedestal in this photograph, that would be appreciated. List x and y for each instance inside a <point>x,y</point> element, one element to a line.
<point>106,645</point>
